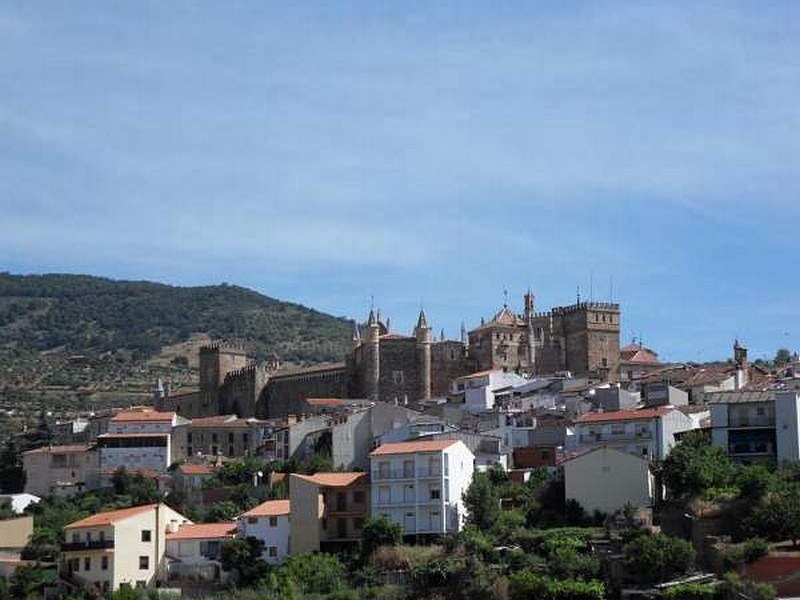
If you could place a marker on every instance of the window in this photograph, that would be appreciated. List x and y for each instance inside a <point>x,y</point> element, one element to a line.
<point>272,551</point>
<point>88,536</point>
<point>87,563</point>
<point>383,469</point>
<point>146,535</point>
<point>606,469</point>
<point>230,437</point>
<point>341,501</point>
<point>214,450</point>
<point>358,497</point>
<point>230,451</point>
<point>144,562</point>
<point>273,521</point>
<point>189,437</point>
<point>358,524</point>
<point>102,535</point>
<point>214,438</point>
<point>436,494</point>
<point>189,450</point>
<point>252,520</point>
<point>76,537</point>
<point>104,563</point>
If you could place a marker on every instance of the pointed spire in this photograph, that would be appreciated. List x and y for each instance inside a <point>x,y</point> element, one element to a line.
<point>371,320</point>
<point>356,333</point>
<point>463,333</point>
<point>422,320</point>
<point>388,325</point>
<point>441,338</point>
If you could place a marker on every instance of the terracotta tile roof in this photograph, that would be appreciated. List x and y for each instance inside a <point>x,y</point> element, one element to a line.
<point>408,447</point>
<point>395,336</point>
<point>325,401</point>
<point>478,374</point>
<point>220,421</point>
<point>625,415</point>
<point>131,435</point>
<point>270,508</point>
<point>194,531</point>
<point>334,479</point>
<point>196,469</point>
<point>142,415</point>
<point>110,517</point>
<point>59,449</point>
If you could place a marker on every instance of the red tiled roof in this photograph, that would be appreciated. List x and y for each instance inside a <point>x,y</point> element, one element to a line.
<point>59,449</point>
<point>325,401</point>
<point>142,415</point>
<point>270,508</point>
<point>132,435</point>
<point>194,531</point>
<point>478,374</point>
<point>110,517</point>
<point>220,421</point>
<point>625,415</point>
<point>408,447</point>
<point>334,479</point>
<point>197,469</point>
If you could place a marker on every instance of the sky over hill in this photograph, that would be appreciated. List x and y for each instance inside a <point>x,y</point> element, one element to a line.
<point>433,155</point>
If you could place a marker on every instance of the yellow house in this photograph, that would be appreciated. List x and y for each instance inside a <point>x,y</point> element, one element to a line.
<point>119,547</point>
<point>328,511</point>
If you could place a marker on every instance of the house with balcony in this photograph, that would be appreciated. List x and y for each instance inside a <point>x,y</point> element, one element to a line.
<point>194,552</point>
<point>756,425</point>
<point>420,484</point>
<point>647,432</point>
<point>269,523</point>
<point>328,511</point>
<point>126,546</point>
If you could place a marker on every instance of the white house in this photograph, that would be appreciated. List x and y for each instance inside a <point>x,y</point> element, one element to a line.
<point>604,479</point>
<point>194,552</point>
<point>19,502</point>
<point>142,439</point>
<point>479,388</point>
<point>757,425</point>
<point>647,432</point>
<point>420,484</point>
<point>268,522</point>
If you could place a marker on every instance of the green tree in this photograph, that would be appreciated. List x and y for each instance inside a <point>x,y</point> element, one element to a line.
<point>777,517</point>
<point>379,531</point>
<point>783,356</point>
<point>12,475</point>
<point>242,558</point>
<point>655,558</point>
<point>482,502</point>
<point>692,467</point>
<point>315,573</point>
<point>223,511</point>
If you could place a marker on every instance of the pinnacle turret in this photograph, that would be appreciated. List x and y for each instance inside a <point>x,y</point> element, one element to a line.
<point>422,320</point>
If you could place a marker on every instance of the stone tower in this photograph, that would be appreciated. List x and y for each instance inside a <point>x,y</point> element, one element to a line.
<point>529,336</point>
<point>372,358</point>
<point>216,361</point>
<point>423,335</point>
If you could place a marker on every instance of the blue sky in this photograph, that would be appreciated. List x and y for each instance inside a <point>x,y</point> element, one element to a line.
<point>422,153</point>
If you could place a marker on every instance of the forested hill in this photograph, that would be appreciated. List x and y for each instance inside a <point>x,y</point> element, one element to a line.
<point>83,314</point>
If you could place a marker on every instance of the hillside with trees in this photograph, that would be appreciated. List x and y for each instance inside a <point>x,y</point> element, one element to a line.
<point>80,332</point>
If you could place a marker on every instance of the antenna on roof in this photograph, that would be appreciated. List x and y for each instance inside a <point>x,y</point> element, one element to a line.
<point>505,298</point>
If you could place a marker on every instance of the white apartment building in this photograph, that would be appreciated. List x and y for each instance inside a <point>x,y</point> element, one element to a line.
<point>117,547</point>
<point>757,425</point>
<point>268,522</point>
<point>142,439</point>
<point>647,432</point>
<point>420,484</point>
<point>195,550</point>
<point>479,388</point>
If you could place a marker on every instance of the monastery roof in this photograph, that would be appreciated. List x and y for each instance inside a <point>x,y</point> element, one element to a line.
<point>409,447</point>
<point>505,317</point>
<point>143,415</point>
<point>189,469</point>
<point>395,336</point>
<point>110,517</point>
<point>194,531</point>
<point>334,479</point>
<point>59,449</point>
<point>270,508</point>
<point>625,415</point>
<point>296,371</point>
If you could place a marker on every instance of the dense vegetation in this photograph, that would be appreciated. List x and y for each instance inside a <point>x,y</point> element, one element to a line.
<point>82,313</point>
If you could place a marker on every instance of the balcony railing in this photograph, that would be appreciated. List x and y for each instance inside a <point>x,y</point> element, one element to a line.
<point>90,545</point>
<point>407,474</point>
<point>752,421</point>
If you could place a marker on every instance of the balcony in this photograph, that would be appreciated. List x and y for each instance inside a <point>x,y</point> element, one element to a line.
<point>90,545</point>
<point>751,421</point>
<point>424,472</point>
<point>394,474</point>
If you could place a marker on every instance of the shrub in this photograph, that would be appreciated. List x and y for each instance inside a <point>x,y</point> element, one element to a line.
<point>690,591</point>
<point>656,558</point>
<point>528,586</point>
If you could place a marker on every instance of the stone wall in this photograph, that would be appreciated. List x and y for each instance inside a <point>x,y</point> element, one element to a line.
<point>285,394</point>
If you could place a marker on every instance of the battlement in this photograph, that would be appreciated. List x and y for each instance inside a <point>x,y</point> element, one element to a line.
<point>223,348</point>
<point>542,315</point>
<point>244,372</point>
<point>582,306</point>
